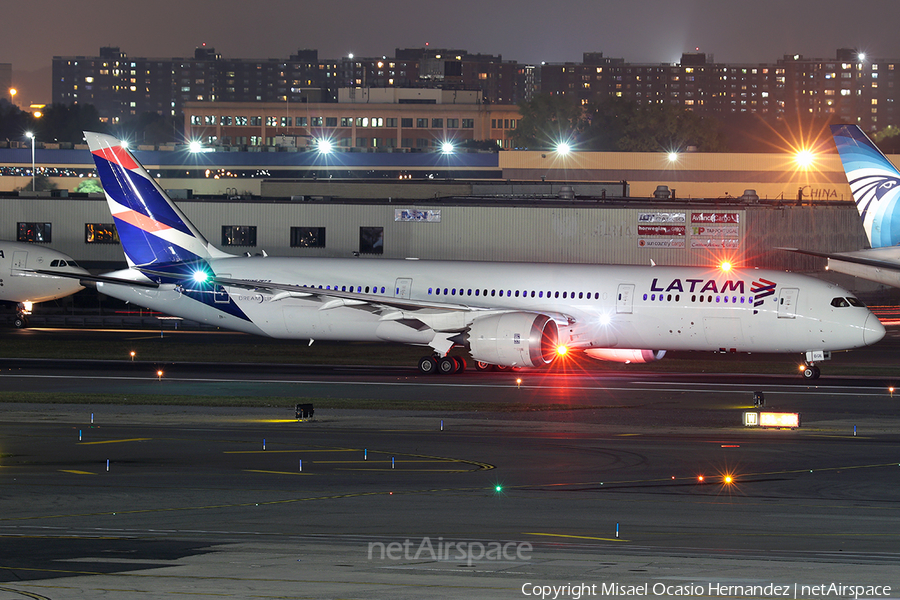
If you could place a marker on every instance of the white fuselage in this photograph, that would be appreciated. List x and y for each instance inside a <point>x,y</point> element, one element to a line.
<point>19,284</point>
<point>596,306</point>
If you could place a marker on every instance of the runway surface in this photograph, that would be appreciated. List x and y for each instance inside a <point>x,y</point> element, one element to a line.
<point>601,489</point>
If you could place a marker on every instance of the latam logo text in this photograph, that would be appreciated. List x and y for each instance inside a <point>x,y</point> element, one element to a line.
<point>700,286</point>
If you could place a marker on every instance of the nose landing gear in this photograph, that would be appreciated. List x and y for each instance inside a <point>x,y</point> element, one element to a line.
<point>810,372</point>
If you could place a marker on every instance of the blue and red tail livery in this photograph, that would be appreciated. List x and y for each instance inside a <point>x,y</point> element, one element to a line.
<point>152,229</point>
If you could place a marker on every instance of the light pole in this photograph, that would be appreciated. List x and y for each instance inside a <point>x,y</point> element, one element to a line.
<point>31,135</point>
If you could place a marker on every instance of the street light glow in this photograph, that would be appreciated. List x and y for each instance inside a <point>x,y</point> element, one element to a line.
<point>325,146</point>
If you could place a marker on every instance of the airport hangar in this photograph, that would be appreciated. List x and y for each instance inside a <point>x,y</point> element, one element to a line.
<point>581,207</point>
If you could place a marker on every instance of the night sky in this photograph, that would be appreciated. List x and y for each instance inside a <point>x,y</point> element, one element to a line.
<point>640,31</point>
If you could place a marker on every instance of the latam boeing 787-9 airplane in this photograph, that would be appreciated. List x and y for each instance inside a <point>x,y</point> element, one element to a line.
<point>506,314</point>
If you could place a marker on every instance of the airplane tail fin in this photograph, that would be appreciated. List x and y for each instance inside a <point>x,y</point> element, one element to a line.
<point>875,183</point>
<point>153,231</point>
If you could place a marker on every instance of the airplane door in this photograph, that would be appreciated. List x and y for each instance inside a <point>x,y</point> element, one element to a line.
<point>402,287</point>
<point>787,303</point>
<point>625,299</point>
<point>220,294</point>
<point>18,262</point>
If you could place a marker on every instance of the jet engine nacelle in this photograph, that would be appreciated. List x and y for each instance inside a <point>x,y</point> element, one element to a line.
<point>625,355</point>
<point>514,339</point>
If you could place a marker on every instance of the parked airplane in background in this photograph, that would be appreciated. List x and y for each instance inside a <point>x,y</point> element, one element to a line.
<point>504,314</point>
<point>20,283</point>
<point>875,183</point>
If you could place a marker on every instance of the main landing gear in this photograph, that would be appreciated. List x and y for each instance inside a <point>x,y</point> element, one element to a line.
<point>21,320</point>
<point>445,365</point>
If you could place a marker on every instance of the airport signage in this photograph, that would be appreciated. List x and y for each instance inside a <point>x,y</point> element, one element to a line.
<point>772,419</point>
<point>417,215</point>
<point>659,217</point>
<point>711,217</point>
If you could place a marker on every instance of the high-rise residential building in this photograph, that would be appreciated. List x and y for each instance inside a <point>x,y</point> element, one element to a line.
<point>851,87</point>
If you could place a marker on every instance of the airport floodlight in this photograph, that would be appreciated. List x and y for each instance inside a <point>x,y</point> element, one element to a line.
<point>563,148</point>
<point>124,144</point>
<point>447,148</point>
<point>725,266</point>
<point>861,56</point>
<point>804,158</point>
<point>672,156</point>
<point>200,276</point>
<point>561,351</point>
<point>195,146</point>
<point>324,146</point>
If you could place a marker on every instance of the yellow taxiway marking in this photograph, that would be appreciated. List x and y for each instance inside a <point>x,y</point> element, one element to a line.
<point>578,537</point>
<point>362,462</point>
<point>277,472</point>
<point>115,441</point>
<point>413,470</point>
<point>76,472</point>
<point>285,451</point>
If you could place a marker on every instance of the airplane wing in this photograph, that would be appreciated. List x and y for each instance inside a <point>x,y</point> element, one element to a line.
<point>880,260</point>
<point>96,278</point>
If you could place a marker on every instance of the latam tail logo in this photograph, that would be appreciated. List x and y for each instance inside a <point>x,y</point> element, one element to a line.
<point>761,290</point>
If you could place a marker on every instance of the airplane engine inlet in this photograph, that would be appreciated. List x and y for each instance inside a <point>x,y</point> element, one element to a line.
<point>514,340</point>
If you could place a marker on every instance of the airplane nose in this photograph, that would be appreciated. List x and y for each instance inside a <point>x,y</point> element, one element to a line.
<point>873,330</point>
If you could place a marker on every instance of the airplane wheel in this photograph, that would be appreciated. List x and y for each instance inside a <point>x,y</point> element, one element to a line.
<point>446,365</point>
<point>811,373</point>
<point>20,323</point>
<point>817,372</point>
<point>482,366</point>
<point>427,365</point>
<point>460,364</point>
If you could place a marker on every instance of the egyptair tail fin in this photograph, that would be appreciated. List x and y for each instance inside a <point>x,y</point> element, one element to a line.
<point>875,183</point>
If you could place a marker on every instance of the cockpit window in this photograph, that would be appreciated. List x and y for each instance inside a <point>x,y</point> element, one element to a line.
<point>856,302</point>
<point>839,302</point>
<point>54,263</point>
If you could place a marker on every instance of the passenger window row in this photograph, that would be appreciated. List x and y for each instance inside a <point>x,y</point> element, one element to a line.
<point>700,298</point>
<point>343,288</point>
<point>513,293</point>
